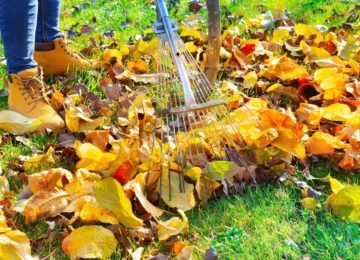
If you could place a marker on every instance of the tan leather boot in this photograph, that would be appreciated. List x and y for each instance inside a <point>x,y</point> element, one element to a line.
<point>56,58</point>
<point>27,97</point>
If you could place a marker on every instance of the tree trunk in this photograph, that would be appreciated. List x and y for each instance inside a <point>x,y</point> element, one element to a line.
<point>214,41</point>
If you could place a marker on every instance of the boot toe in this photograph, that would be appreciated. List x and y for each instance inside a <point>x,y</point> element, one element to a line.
<point>56,123</point>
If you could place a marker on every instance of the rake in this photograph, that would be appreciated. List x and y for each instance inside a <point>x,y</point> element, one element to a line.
<point>193,127</point>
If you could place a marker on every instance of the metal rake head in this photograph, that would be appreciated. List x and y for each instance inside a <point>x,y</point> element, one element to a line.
<point>193,127</point>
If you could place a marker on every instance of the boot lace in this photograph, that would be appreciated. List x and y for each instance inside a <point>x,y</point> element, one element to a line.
<point>33,87</point>
<point>74,54</point>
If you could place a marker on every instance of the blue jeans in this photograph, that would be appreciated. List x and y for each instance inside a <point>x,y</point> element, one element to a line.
<point>24,23</point>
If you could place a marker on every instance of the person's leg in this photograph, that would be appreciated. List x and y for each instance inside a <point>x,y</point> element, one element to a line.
<point>47,29</point>
<point>17,26</point>
<point>51,49</point>
<point>26,88</point>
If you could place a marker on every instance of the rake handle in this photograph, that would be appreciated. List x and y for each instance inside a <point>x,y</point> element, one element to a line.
<point>163,16</point>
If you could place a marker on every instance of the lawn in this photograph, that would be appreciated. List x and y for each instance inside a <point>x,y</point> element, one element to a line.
<point>267,221</point>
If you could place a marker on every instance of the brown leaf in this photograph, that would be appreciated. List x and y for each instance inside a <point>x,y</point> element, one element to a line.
<point>48,202</point>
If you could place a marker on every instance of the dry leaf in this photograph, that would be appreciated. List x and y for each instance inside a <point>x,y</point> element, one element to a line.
<point>309,203</point>
<point>173,226</point>
<point>110,194</point>
<point>169,184</point>
<point>322,143</point>
<point>345,204</point>
<point>46,203</point>
<point>92,158</point>
<point>14,245</point>
<point>17,124</point>
<point>92,212</point>
<point>47,180</point>
<point>90,242</point>
<point>40,162</point>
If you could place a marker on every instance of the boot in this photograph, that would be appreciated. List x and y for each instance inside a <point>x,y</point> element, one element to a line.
<point>56,58</point>
<point>27,97</point>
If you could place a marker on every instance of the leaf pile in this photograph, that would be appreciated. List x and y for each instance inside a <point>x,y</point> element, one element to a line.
<point>293,94</point>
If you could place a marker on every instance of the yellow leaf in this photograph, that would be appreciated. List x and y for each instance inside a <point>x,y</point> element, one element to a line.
<point>278,88</point>
<point>4,186</point>
<point>265,137</point>
<point>142,104</point>
<point>174,195</point>
<point>334,86</point>
<point>77,121</point>
<point>308,203</point>
<point>89,242</point>
<point>307,31</point>
<point>40,162</point>
<point>124,49</point>
<point>190,46</point>
<point>193,173</point>
<point>323,73</point>
<point>79,187</point>
<point>221,170</point>
<point>138,187</point>
<point>84,174</point>
<point>309,113</point>
<point>285,71</point>
<point>112,56</point>
<point>345,204</point>
<point>47,179</point>
<point>14,245</point>
<point>354,120</point>
<point>191,32</point>
<point>92,158</point>
<point>17,124</point>
<point>279,35</point>
<point>186,253</point>
<point>322,143</point>
<point>250,79</point>
<point>173,226</point>
<point>205,187</point>
<point>273,118</point>
<point>336,112</point>
<point>46,203</point>
<point>138,66</point>
<point>3,222</point>
<point>321,57</point>
<point>110,194</point>
<point>93,212</point>
<point>289,142</point>
<point>336,186</point>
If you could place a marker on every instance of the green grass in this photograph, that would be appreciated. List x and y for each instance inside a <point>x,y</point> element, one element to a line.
<point>267,222</point>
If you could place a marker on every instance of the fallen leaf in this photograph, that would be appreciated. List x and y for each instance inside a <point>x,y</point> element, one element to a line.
<point>322,143</point>
<point>221,170</point>
<point>205,187</point>
<point>110,194</point>
<point>89,242</point>
<point>175,192</point>
<point>138,187</point>
<point>309,203</point>
<point>46,203</point>
<point>92,158</point>
<point>173,226</point>
<point>40,162</point>
<point>98,138</point>
<point>345,204</point>
<point>46,180</point>
<point>92,212</point>
<point>17,124</point>
<point>15,245</point>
